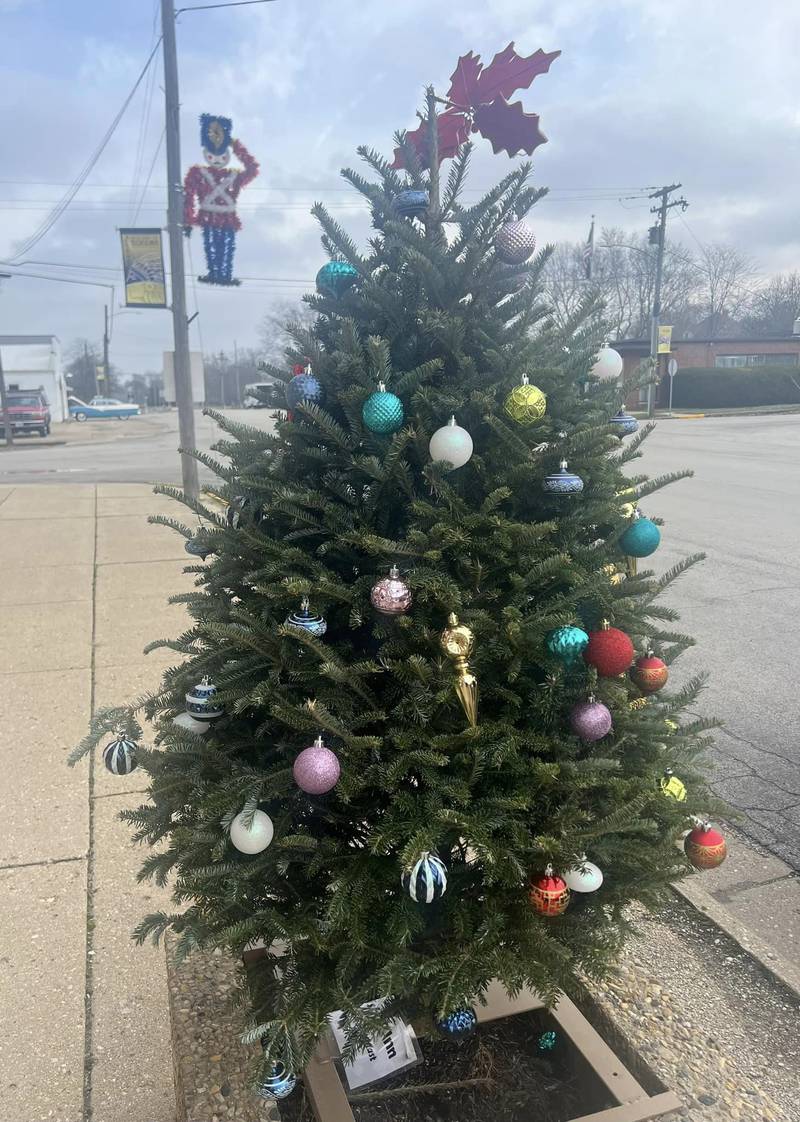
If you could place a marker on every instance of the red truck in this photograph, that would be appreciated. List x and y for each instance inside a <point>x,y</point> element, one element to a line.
<point>28,411</point>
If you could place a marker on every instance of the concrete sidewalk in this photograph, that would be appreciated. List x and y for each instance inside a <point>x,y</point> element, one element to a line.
<point>84,1011</point>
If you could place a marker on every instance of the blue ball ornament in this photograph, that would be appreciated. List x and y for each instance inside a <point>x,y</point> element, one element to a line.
<point>201,703</point>
<point>562,482</point>
<point>335,278</point>
<point>426,880</point>
<point>279,1084</point>
<point>458,1024</point>
<point>641,538</point>
<point>568,643</point>
<point>412,203</point>
<point>303,387</point>
<point>383,411</point>
<point>624,424</point>
<point>306,620</point>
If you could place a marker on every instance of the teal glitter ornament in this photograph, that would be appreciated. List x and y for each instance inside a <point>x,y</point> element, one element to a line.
<point>641,538</point>
<point>547,1042</point>
<point>335,278</point>
<point>383,411</point>
<point>568,643</point>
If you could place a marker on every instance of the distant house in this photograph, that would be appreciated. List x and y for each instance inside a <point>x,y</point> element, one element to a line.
<point>720,353</point>
<point>33,362</point>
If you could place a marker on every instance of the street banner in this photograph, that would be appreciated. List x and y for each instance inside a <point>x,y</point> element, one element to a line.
<point>664,340</point>
<point>143,265</point>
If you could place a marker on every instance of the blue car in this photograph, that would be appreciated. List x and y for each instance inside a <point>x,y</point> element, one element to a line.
<point>101,407</point>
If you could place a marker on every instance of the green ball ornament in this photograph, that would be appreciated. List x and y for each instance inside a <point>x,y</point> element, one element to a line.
<point>526,403</point>
<point>335,278</point>
<point>641,538</point>
<point>568,644</point>
<point>383,411</point>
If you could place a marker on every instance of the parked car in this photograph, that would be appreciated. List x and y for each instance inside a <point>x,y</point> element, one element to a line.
<point>264,395</point>
<point>102,407</point>
<point>28,411</point>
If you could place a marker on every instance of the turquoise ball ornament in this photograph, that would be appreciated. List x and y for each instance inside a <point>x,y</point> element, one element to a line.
<point>568,643</point>
<point>383,411</point>
<point>335,278</point>
<point>641,538</point>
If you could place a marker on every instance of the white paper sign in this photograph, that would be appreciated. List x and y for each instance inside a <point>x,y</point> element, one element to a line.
<point>387,1055</point>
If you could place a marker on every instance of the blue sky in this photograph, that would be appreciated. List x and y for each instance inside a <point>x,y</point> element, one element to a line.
<point>644,93</point>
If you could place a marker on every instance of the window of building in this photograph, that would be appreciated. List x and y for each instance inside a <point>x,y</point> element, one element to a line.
<point>757,360</point>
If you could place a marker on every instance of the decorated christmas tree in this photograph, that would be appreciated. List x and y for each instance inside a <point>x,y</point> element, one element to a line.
<point>415,740</point>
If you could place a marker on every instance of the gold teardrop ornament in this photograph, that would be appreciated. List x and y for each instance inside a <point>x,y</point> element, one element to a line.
<point>457,641</point>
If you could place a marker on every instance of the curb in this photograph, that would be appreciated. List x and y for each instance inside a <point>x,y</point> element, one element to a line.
<point>783,971</point>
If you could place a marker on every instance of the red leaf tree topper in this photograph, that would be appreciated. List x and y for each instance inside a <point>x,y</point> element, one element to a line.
<point>478,102</point>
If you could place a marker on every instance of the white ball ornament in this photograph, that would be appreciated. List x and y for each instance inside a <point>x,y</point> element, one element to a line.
<point>584,877</point>
<point>254,838</point>
<point>186,721</point>
<point>608,365</point>
<point>452,444</point>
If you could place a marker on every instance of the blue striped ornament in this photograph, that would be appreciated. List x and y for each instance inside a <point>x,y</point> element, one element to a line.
<point>562,482</point>
<point>305,621</point>
<point>120,756</point>
<point>279,1084</point>
<point>426,880</point>
<point>200,702</point>
<point>412,203</point>
<point>624,423</point>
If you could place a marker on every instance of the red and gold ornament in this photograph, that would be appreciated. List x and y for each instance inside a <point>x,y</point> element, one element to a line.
<point>650,673</point>
<point>609,651</point>
<point>705,847</point>
<point>549,894</point>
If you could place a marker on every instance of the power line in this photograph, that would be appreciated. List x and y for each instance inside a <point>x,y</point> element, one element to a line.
<point>150,172</point>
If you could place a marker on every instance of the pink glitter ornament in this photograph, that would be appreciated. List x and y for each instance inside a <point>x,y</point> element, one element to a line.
<point>590,720</point>
<point>391,596</point>
<point>316,770</point>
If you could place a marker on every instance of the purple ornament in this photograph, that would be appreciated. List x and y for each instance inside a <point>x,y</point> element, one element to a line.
<point>590,720</point>
<point>391,596</point>
<point>316,770</point>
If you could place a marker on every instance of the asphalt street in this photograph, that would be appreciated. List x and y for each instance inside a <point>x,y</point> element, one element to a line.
<point>741,605</point>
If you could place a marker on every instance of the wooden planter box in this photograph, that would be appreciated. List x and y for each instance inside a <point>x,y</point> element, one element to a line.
<point>328,1097</point>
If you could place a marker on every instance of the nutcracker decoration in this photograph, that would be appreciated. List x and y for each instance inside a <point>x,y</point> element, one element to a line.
<point>210,195</point>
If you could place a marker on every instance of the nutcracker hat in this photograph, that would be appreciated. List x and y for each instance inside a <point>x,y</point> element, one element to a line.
<point>215,133</point>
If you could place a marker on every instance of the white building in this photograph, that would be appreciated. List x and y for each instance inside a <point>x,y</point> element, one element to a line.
<point>33,362</point>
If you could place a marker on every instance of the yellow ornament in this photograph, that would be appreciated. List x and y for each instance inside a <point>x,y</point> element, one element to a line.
<point>627,508</point>
<point>457,642</point>
<point>613,574</point>
<point>526,403</point>
<point>637,703</point>
<point>672,786</point>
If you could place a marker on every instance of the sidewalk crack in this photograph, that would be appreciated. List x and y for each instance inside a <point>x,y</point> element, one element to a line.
<point>88,1030</point>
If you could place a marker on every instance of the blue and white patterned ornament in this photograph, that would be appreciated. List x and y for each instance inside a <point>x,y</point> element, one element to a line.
<point>458,1024</point>
<point>412,203</point>
<point>119,755</point>
<point>568,643</point>
<point>242,510</point>
<point>562,482</point>
<point>197,547</point>
<point>426,880</point>
<point>641,538</point>
<point>304,620</point>
<point>335,278</point>
<point>304,387</point>
<point>624,424</point>
<point>383,411</point>
<point>279,1084</point>
<point>200,703</point>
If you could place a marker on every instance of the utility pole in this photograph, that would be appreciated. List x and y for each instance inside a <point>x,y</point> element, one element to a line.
<point>106,380</point>
<point>180,323</point>
<point>3,400</point>
<point>661,231</point>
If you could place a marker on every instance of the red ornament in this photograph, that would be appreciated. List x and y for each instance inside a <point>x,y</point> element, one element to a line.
<point>549,894</point>
<point>650,673</point>
<point>705,847</point>
<point>609,651</point>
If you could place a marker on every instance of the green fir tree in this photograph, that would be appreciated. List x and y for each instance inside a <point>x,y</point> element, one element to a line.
<point>324,507</point>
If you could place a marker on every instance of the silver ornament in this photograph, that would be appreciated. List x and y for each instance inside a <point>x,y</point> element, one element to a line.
<point>515,242</point>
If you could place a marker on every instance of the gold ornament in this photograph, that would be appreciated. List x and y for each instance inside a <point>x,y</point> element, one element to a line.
<point>613,574</point>
<point>627,508</point>
<point>457,641</point>
<point>672,786</point>
<point>526,403</point>
<point>637,703</point>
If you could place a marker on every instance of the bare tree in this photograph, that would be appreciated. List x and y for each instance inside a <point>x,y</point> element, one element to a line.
<point>726,286</point>
<point>774,308</point>
<point>272,331</point>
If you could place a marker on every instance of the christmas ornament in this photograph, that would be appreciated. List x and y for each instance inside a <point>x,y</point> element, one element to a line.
<point>583,877</point>
<point>478,97</point>
<point>316,770</point>
<point>567,643</point>
<point>547,1042</point>
<point>305,621</point>
<point>526,403</point>
<point>279,1084</point>
<point>335,278</point>
<point>383,411</point>
<point>514,242</point>
<point>609,651</point>
<point>253,838</point>
<point>705,847</point>
<point>549,894</point>
<point>624,424</point>
<point>672,786</point>
<point>614,575</point>
<point>210,194</point>
<point>184,721</point>
<point>458,1024</point>
<point>242,510</point>
<point>649,673</point>
<point>412,203</point>
<point>562,482</point>
<point>451,444</point>
<point>119,755</point>
<point>426,880</point>
<point>457,642</point>
<point>200,702</point>
<point>304,388</point>
<point>391,596</point>
<point>590,720</point>
<point>608,364</point>
<point>637,703</point>
<point>641,537</point>
<point>197,547</point>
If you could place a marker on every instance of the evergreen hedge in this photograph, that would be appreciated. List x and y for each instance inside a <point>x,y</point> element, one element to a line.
<point>704,387</point>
